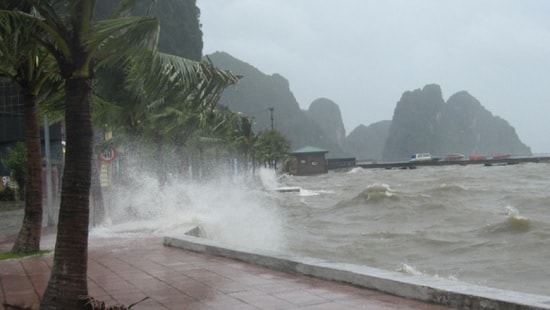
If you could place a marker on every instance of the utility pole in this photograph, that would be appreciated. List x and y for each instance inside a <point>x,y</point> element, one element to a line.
<point>271,112</point>
<point>49,198</point>
<point>271,161</point>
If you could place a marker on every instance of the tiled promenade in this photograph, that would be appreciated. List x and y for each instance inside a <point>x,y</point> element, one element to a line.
<point>124,271</point>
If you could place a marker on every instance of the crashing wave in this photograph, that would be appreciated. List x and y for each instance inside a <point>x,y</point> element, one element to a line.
<point>377,192</point>
<point>408,269</point>
<point>514,223</point>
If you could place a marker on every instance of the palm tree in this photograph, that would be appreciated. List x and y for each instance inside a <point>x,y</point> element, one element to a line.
<point>272,147</point>
<point>159,99</point>
<point>30,67</point>
<point>79,45</point>
<point>244,139</point>
<point>66,29</point>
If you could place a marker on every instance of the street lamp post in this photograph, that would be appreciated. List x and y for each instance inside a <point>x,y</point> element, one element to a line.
<point>51,220</point>
<point>271,114</point>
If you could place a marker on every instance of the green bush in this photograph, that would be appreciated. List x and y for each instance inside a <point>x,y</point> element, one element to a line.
<point>16,163</point>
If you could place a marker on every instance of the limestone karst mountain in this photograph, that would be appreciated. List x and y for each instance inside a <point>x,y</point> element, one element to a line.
<point>366,143</point>
<point>424,122</point>
<point>256,93</point>
<point>327,115</point>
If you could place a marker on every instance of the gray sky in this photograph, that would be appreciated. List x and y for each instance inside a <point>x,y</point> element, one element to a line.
<point>363,54</point>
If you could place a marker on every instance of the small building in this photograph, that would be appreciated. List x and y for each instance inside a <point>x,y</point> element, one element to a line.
<point>310,160</point>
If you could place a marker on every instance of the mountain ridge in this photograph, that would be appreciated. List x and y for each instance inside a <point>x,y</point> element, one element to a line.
<point>422,120</point>
<point>257,92</point>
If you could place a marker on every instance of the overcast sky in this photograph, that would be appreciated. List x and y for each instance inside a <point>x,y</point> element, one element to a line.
<point>363,54</point>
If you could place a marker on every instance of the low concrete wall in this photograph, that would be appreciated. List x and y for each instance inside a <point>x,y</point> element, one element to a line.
<point>424,288</point>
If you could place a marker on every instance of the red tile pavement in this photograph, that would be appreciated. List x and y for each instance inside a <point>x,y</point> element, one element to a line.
<point>124,271</point>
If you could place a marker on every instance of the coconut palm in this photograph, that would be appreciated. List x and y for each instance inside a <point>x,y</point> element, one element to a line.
<point>271,147</point>
<point>30,67</point>
<point>159,98</point>
<point>244,139</point>
<point>79,45</point>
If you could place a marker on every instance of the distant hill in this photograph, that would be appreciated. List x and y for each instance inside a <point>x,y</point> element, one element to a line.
<point>366,143</point>
<point>424,122</point>
<point>256,92</point>
<point>327,115</point>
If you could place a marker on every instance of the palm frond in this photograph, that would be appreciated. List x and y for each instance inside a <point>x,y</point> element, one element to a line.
<point>23,60</point>
<point>116,39</point>
<point>53,20</point>
<point>105,113</point>
<point>196,84</point>
<point>53,105</point>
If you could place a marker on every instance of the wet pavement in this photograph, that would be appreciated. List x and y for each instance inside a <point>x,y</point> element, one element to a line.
<point>127,270</point>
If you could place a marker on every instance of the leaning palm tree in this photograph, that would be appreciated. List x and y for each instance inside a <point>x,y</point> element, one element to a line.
<point>30,67</point>
<point>244,140</point>
<point>271,147</point>
<point>79,45</point>
<point>161,96</point>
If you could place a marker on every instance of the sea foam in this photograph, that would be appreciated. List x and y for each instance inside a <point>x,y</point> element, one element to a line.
<point>233,210</point>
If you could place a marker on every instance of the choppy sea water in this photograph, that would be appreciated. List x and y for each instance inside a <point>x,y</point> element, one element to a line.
<point>484,225</point>
<point>488,226</point>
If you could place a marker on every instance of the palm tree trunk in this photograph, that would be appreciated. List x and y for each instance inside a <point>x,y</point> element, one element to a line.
<point>28,239</point>
<point>68,278</point>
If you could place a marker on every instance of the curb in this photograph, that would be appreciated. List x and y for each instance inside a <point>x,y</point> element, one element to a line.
<point>423,288</point>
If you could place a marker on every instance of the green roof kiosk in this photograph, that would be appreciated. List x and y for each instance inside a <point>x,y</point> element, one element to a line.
<point>310,161</point>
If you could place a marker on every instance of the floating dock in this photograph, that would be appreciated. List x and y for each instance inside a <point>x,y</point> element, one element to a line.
<point>288,189</point>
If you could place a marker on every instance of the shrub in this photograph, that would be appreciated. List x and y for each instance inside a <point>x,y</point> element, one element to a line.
<point>16,163</point>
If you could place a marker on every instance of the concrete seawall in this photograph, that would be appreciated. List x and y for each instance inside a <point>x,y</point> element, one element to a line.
<point>486,162</point>
<point>445,292</point>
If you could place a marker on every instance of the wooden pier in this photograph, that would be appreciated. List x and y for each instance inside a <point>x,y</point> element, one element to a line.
<point>485,162</point>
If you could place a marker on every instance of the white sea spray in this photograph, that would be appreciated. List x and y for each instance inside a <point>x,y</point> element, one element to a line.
<point>233,210</point>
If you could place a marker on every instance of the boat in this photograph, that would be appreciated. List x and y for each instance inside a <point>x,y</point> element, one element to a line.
<point>452,157</point>
<point>500,155</point>
<point>477,157</point>
<point>421,157</point>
